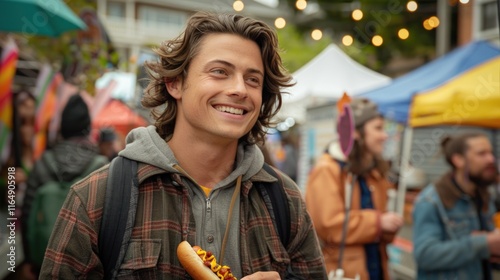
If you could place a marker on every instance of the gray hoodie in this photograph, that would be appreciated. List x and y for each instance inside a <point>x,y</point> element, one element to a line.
<point>210,213</point>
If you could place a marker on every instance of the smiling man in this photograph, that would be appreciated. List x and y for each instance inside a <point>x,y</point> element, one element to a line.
<point>213,92</point>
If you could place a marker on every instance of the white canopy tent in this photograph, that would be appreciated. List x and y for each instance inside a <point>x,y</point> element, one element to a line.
<point>325,78</point>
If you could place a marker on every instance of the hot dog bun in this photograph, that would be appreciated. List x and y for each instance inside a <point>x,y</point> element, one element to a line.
<point>193,263</point>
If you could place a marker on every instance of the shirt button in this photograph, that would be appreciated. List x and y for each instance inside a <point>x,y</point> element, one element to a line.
<point>210,238</point>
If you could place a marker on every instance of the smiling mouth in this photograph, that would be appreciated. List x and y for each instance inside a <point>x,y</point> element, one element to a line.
<point>230,110</point>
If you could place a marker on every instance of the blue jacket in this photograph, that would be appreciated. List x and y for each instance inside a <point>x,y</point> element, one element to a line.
<point>444,219</point>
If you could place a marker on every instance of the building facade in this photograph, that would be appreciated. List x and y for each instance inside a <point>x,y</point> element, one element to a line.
<point>136,25</point>
<point>478,20</point>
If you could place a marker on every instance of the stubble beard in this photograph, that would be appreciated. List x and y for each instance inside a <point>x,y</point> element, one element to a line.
<point>481,180</point>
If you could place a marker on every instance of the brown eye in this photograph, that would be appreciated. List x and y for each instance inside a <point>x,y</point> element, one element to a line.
<point>254,81</point>
<point>219,71</point>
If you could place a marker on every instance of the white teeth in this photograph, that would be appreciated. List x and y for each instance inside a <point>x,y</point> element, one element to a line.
<point>230,110</point>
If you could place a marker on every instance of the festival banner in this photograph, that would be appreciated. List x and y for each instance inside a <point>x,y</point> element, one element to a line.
<point>8,65</point>
<point>46,100</point>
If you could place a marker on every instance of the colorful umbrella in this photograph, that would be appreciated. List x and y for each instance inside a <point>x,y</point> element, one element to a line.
<point>118,115</point>
<point>38,17</point>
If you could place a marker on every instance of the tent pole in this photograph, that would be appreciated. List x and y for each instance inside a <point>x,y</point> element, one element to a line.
<point>494,141</point>
<point>405,160</point>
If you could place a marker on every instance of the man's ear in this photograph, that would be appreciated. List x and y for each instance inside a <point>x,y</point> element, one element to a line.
<point>173,86</point>
<point>458,161</point>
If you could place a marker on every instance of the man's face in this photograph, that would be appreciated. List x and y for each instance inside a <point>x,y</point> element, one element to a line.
<point>221,97</point>
<point>480,161</point>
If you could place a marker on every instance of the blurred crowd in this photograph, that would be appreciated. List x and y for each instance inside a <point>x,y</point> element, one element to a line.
<point>76,152</point>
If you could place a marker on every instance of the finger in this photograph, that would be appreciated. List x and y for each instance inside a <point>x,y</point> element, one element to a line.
<point>261,275</point>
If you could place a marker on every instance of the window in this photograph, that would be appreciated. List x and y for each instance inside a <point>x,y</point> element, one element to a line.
<point>116,9</point>
<point>151,15</point>
<point>485,21</point>
<point>489,16</point>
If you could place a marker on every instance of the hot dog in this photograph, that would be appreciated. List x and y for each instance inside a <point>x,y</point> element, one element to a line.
<point>201,264</point>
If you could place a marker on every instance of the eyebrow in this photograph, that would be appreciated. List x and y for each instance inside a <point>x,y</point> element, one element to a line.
<point>232,66</point>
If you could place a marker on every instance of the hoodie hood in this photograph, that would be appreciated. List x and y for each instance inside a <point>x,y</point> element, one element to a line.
<point>145,145</point>
<point>73,157</point>
<point>335,151</point>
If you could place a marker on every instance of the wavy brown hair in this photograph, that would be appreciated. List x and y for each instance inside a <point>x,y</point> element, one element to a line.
<point>176,55</point>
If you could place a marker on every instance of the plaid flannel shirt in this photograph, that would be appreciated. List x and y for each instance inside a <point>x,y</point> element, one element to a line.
<point>163,220</point>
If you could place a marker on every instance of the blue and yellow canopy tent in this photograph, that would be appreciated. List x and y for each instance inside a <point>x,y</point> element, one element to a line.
<point>473,98</point>
<point>395,99</point>
<point>459,88</point>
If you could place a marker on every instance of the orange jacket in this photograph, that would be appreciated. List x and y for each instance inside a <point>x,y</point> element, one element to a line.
<point>325,197</point>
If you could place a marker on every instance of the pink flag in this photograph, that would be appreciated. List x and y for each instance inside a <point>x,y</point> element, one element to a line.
<point>102,97</point>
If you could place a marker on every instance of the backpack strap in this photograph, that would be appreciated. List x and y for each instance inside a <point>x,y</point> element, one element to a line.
<point>275,197</point>
<point>276,201</point>
<point>118,217</point>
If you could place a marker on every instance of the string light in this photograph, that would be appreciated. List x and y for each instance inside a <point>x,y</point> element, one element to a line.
<point>316,34</point>
<point>427,25</point>
<point>347,40</point>
<point>280,23</point>
<point>412,6</point>
<point>238,5</point>
<point>301,4</point>
<point>434,22</point>
<point>403,34</point>
<point>357,14</point>
<point>377,40</point>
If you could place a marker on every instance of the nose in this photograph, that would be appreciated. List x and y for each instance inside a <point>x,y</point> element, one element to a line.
<point>491,158</point>
<point>239,87</point>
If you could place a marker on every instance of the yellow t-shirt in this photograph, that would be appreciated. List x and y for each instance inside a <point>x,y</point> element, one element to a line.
<point>206,190</point>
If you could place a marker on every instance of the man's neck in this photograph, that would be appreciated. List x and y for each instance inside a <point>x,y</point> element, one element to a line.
<point>206,163</point>
<point>464,183</point>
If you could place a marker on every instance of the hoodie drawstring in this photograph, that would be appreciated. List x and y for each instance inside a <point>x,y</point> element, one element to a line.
<point>236,194</point>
